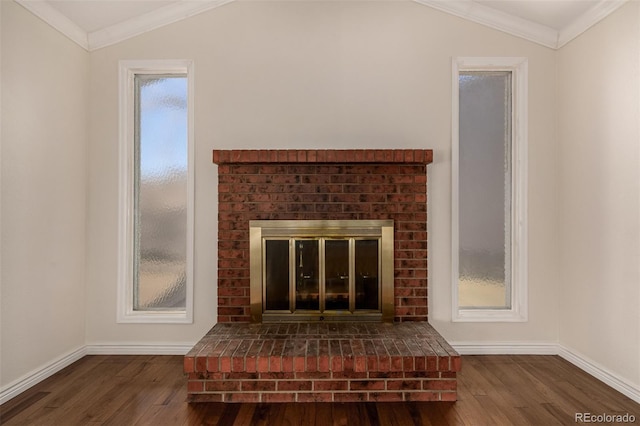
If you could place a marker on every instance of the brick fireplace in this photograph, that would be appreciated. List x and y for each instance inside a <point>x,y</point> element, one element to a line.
<point>330,185</point>
<point>404,360</point>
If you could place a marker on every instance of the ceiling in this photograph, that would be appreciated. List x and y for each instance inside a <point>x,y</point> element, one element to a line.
<point>553,14</point>
<point>98,23</point>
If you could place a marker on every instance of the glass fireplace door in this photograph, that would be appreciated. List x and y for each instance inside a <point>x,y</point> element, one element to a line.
<point>337,272</point>
<point>333,276</point>
<point>367,281</point>
<point>307,276</point>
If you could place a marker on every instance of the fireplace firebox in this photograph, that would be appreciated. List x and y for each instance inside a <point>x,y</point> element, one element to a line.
<point>317,270</point>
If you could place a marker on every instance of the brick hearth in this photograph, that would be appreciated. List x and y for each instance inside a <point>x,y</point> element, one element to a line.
<point>322,362</point>
<point>402,361</point>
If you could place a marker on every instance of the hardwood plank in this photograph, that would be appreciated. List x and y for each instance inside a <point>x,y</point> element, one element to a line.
<point>372,414</point>
<point>547,379</point>
<point>391,413</point>
<point>340,416</point>
<point>502,397</point>
<point>323,413</point>
<point>269,414</point>
<point>245,414</point>
<point>529,400</point>
<point>473,397</point>
<point>151,390</point>
<point>260,415</point>
<point>299,414</point>
<point>229,414</point>
<point>21,404</point>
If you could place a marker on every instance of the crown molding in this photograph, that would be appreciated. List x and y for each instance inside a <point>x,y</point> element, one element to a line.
<point>496,19</point>
<point>588,19</point>
<point>57,20</point>
<point>150,21</point>
<point>466,9</point>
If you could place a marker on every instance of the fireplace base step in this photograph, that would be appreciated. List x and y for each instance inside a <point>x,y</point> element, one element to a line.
<point>322,362</point>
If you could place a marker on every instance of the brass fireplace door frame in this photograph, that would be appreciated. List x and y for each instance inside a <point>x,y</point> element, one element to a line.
<point>259,230</point>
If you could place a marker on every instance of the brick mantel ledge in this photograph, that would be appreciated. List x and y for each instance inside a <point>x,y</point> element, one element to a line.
<point>405,156</point>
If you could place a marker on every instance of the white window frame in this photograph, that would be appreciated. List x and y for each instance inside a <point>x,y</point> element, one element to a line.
<point>518,66</point>
<point>127,72</point>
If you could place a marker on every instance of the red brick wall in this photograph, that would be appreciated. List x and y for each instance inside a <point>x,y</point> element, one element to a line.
<point>322,184</point>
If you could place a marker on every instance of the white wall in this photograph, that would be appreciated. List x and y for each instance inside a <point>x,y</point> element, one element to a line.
<point>318,75</point>
<point>322,75</point>
<point>599,136</point>
<point>44,181</point>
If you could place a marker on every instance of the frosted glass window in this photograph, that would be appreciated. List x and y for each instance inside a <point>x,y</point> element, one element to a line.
<point>485,128</point>
<point>160,193</point>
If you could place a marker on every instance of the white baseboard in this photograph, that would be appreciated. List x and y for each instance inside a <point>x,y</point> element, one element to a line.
<point>149,349</point>
<point>536,348</point>
<point>601,373</point>
<point>505,348</point>
<point>20,385</point>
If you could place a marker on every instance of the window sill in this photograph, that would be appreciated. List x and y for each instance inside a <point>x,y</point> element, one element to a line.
<point>489,315</point>
<point>148,317</point>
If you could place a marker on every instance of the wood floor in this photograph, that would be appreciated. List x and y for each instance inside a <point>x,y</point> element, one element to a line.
<point>151,390</point>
